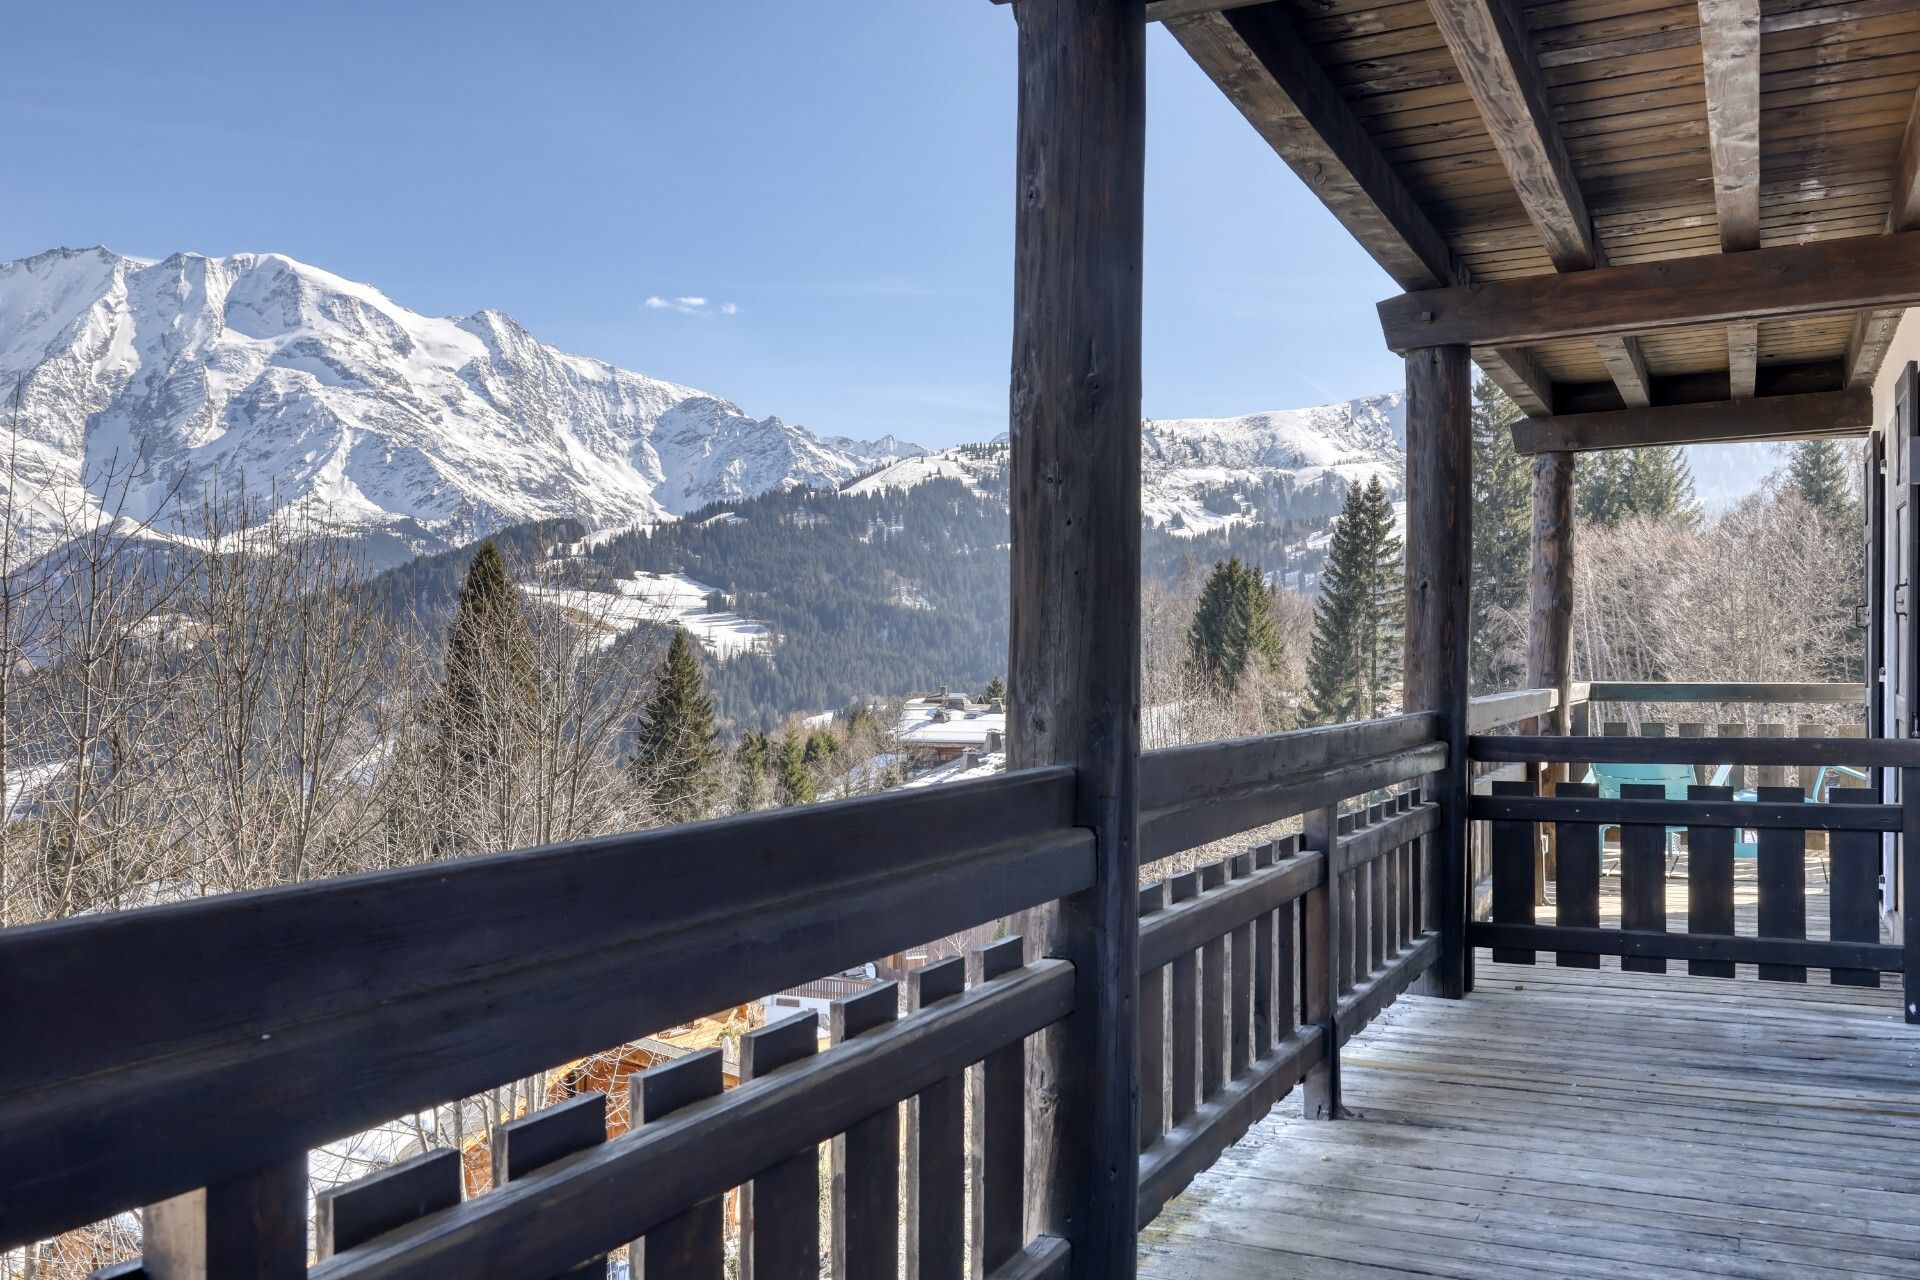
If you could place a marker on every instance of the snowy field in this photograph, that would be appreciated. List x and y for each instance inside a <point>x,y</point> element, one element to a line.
<point>660,598</point>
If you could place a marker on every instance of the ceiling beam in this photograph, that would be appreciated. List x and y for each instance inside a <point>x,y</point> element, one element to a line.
<point>1265,69</point>
<point>1488,41</point>
<point>1516,372</point>
<point>1798,417</point>
<point>1818,278</point>
<point>1873,333</point>
<point>1730,55</point>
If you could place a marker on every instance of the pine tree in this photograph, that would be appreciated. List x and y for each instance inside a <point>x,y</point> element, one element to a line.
<point>796,779</point>
<point>1616,484</point>
<point>1233,625</point>
<point>492,683</point>
<point>754,758</point>
<point>1384,628</point>
<point>1502,515</point>
<point>1817,471</point>
<point>996,689</point>
<point>1336,663</point>
<point>675,751</point>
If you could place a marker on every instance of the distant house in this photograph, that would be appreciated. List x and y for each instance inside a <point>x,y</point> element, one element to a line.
<point>941,727</point>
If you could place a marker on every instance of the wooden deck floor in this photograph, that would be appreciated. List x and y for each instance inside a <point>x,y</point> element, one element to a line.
<point>1571,1123</point>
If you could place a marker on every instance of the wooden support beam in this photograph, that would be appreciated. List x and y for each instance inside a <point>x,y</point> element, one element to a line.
<point>1439,546</point>
<point>1873,332</point>
<point>1730,56</point>
<point>1628,369</point>
<point>1488,40</point>
<point>1074,632</point>
<point>1266,70</point>
<point>1550,584</point>
<point>1817,278</point>
<point>1743,359</point>
<point>1817,415</point>
<point>1516,372</point>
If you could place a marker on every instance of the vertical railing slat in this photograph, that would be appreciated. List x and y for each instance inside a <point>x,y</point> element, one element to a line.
<point>937,1145</point>
<point>1853,868</point>
<point>1513,868</point>
<point>780,1207</point>
<point>1909,884</point>
<point>1213,996</point>
<point>1320,951</point>
<point>536,1141</point>
<point>252,1226</point>
<point>1577,891</point>
<point>1153,1034</point>
<point>1643,877</point>
<point>1183,1032</point>
<point>1265,943</point>
<point>865,1160</point>
<point>1783,882</point>
<point>693,1245</point>
<point>1710,882</point>
<point>353,1214</point>
<point>1001,1123</point>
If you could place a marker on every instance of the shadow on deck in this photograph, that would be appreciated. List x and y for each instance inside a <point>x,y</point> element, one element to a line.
<point>1573,1123</point>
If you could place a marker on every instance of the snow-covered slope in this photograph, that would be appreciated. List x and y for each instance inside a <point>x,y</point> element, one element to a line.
<point>258,371</point>
<point>1199,474</point>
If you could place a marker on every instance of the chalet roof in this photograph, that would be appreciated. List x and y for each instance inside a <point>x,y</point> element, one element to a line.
<point>1480,140</point>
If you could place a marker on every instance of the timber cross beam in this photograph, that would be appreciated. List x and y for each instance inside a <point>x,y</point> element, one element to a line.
<point>1820,278</point>
<point>1814,415</point>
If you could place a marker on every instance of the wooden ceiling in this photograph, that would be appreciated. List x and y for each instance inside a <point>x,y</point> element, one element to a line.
<point>1471,141</point>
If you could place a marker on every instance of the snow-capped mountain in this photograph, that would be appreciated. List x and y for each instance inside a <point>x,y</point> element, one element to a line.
<point>256,371</point>
<point>1200,474</point>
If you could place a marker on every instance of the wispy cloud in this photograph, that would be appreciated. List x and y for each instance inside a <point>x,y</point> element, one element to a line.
<point>691,305</point>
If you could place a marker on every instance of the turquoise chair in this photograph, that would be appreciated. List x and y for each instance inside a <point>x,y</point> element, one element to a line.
<point>1747,845</point>
<point>1674,778</point>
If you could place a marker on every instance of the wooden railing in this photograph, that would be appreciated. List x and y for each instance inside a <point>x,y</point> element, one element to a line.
<point>1711,826</point>
<point>185,1059</point>
<point>1255,968</point>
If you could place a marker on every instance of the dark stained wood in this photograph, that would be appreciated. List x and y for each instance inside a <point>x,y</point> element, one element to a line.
<point>780,1206</point>
<point>1710,881</point>
<point>1725,691</point>
<point>1074,630</point>
<point>1516,372</point>
<point>1371,998</point>
<point>1439,542</point>
<point>1853,859</point>
<point>1320,945</point>
<point>1273,78</point>
<point>1265,942</point>
<point>1811,416</point>
<point>1776,282</point>
<point>246,1227</point>
<point>1702,386</point>
<point>1513,869</point>
<point>1213,994</point>
<point>536,1141</point>
<point>1044,1259</point>
<point>1550,586</point>
<point>1766,952</point>
<point>865,1160</point>
<point>1000,1126</point>
<point>1763,815</point>
<point>1577,886</point>
<point>599,1199</point>
<point>1183,1008</point>
<point>1240,982</point>
<point>1643,877</point>
<point>1873,332</point>
<point>1191,920</point>
<point>1627,366</point>
<point>1153,1030</point>
<point>1783,883</point>
<point>300,1015</point>
<point>366,1207</point>
<point>936,1142</point>
<point>692,1245</point>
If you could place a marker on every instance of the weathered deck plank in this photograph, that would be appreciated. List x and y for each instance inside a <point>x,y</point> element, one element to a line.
<point>1587,1125</point>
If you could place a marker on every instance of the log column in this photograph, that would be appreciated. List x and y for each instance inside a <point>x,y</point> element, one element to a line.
<point>1073,670</point>
<point>1439,550</point>
<point>1550,619</point>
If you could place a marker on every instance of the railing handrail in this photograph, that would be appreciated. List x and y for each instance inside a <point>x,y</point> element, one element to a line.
<point>154,1051</point>
<point>1732,691</point>
<point>1866,752</point>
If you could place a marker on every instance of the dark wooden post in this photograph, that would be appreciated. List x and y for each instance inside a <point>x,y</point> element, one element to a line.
<point>1439,557</point>
<point>1550,618</point>
<point>1073,669</point>
<point>1908,881</point>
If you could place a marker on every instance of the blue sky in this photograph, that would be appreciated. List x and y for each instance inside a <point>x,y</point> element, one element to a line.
<point>833,178</point>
